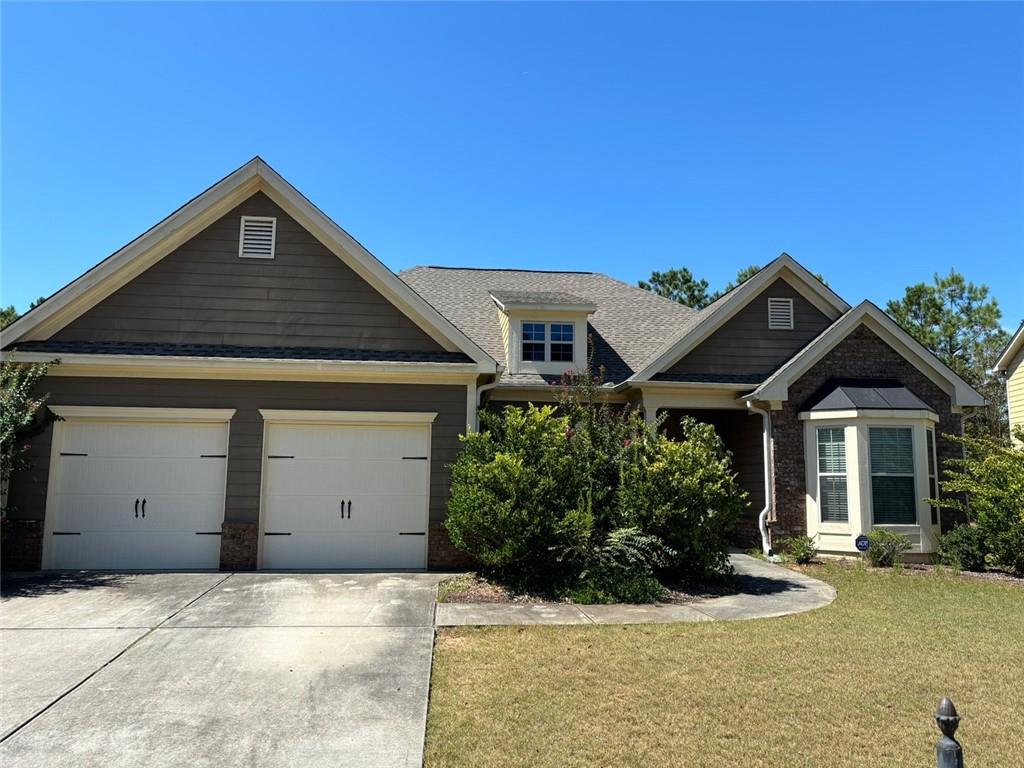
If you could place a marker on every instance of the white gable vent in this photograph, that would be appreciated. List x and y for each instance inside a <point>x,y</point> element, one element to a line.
<point>256,238</point>
<point>780,314</point>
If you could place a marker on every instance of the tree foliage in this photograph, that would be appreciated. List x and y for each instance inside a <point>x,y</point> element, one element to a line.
<point>22,416</point>
<point>679,285</point>
<point>959,322</point>
<point>587,501</point>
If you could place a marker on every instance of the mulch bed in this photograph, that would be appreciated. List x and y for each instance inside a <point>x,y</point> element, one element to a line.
<point>479,590</point>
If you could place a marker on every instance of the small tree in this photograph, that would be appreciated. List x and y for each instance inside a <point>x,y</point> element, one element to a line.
<point>22,417</point>
<point>988,485</point>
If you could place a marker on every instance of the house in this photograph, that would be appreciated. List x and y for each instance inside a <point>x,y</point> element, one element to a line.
<point>245,386</point>
<point>1010,368</point>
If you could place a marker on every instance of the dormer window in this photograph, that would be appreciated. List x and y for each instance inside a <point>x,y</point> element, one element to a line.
<point>545,332</point>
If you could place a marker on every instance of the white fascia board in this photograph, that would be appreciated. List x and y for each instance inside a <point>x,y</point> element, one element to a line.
<point>156,366</point>
<point>255,176</point>
<point>776,386</point>
<point>587,308</point>
<point>869,414</point>
<point>362,418</point>
<point>106,413</point>
<point>1015,346</point>
<point>786,267</point>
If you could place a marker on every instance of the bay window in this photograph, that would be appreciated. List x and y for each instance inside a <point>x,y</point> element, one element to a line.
<point>893,499</point>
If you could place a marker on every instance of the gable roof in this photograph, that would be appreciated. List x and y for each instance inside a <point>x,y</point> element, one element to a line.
<point>716,314</point>
<point>776,386</point>
<point>256,175</point>
<point>1016,345</point>
<point>628,324</point>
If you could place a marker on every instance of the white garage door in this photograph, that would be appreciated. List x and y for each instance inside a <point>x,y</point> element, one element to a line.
<point>137,494</point>
<point>341,496</point>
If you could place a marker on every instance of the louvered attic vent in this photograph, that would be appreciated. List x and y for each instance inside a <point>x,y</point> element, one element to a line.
<point>780,314</point>
<point>256,238</point>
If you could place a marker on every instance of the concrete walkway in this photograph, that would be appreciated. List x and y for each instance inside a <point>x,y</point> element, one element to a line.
<point>765,590</point>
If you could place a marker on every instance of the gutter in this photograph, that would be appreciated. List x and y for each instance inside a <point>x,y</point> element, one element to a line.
<point>480,391</point>
<point>762,517</point>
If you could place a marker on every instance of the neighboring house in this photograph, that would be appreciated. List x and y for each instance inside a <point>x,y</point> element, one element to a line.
<point>1010,368</point>
<point>245,386</point>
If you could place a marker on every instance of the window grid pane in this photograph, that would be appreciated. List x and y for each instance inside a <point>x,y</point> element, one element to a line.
<point>892,476</point>
<point>832,500</point>
<point>561,332</point>
<point>533,331</point>
<point>831,449</point>
<point>533,352</point>
<point>561,353</point>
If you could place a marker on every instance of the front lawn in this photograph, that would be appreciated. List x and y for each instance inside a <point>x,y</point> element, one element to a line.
<point>854,684</point>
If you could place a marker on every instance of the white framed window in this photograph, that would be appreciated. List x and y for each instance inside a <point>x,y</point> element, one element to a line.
<point>893,497</point>
<point>780,314</point>
<point>543,342</point>
<point>534,342</point>
<point>933,480</point>
<point>257,237</point>
<point>833,499</point>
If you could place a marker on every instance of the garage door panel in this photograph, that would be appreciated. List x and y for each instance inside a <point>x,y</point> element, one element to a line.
<point>365,514</point>
<point>344,496</point>
<point>339,477</point>
<point>155,440</point>
<point>128,462</point>
<point>129,551</point>
<point>142,476</point>
<point>384,551</point>
<point>331,441</point>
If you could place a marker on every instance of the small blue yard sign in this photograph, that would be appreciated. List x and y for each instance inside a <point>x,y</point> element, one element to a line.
<point>862,543</point>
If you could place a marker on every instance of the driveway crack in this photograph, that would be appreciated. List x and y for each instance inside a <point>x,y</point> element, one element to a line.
<point>114,658</point>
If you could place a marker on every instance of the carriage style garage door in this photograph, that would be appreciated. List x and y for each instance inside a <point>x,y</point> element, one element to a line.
<point>345,490</point>
<point>136,488</point>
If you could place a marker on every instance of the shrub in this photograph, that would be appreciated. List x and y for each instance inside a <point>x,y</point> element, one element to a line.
<point>588,502</point>
<point>686,493</point>
<point>963,548</point>
<point>22,417</point>
<point>799,549</point>
<point>886,548</point>
<point>988,485</point>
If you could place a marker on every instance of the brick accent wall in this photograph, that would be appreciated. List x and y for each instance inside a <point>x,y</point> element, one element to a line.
<point>862,354</point>
<point>21,545</point>
<point>238,543</point>
<point>442,554</point>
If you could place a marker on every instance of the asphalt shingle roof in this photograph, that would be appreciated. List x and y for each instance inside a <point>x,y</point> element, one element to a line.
<point>536,297</point>
<point>628,328</point>
<point>231,351</point>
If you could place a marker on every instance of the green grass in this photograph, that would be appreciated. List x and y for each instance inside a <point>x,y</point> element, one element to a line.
<point>854,684</point>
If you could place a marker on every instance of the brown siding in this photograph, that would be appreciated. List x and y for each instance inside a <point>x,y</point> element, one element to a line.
<point>861,354</point>
<point>744,345</point>
<point>28,491</point>
<point>203,293</point>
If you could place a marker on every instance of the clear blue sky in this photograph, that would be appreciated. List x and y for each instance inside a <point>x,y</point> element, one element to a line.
<point>876,143</point>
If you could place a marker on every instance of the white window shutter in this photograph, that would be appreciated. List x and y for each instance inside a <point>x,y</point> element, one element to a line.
<point>256,237</point>
<point>780,314</point>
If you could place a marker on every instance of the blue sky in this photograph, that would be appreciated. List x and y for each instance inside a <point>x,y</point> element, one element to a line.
<point>876,143</point>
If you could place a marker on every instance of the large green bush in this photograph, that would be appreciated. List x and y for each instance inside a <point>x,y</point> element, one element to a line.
<point>963,548</point>
<point>988,485</point>
<point>586,501</point>
<point>886,548</point>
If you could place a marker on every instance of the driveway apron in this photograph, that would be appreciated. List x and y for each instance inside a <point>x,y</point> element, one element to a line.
<point>217,669</point>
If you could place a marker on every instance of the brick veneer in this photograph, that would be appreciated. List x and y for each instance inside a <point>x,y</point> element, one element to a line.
<point>238,544</point>
<point>441,553</point>
<point>862,354</point>
<point>21,545</point>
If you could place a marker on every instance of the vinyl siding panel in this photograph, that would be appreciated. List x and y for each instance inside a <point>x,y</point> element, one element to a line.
<point>203,293</point>
<point>28,489</point>
<point>1015,390</point>
<point>745,345</point>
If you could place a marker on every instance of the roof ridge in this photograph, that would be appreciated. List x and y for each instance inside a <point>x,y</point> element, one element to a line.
<point>508,269</point>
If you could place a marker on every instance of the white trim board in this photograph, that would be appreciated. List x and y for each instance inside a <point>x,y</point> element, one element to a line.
<point>368,418</point>
<point>1015,346</point>
<point>255,176</point>
<point>776,386</point>
<point>97,412</point>
<point>784,267</point>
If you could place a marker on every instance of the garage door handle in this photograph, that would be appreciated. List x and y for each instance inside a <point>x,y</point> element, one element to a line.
<point>143,507</point>
<point>350,509</point>
<point>136,508</point>
<point>276,533</point>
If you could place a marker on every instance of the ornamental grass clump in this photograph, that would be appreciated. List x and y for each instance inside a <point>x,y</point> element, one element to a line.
<point>587,502</point>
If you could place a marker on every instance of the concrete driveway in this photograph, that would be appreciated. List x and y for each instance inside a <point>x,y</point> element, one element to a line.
<point>215,669</point>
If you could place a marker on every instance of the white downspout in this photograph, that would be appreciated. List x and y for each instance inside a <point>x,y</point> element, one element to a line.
<point>479,392</point>
<point>762,517</point>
